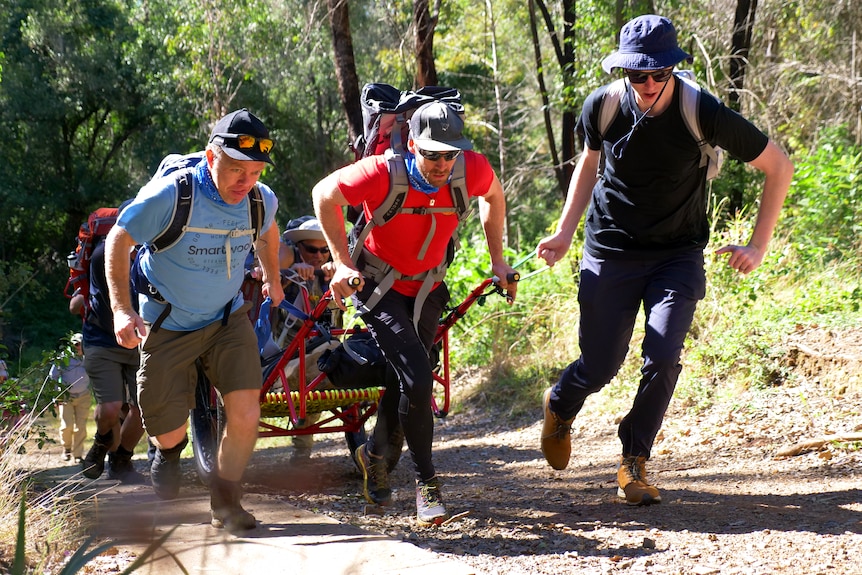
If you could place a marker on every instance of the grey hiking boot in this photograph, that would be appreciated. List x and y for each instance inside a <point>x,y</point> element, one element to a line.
<point>227,513</point>
<point>165,472</point>
<point>94,463</point>
<point>429,503</point>
<point>375,477</point>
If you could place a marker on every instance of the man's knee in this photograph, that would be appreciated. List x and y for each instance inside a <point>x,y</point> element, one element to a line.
<point>242,409</point>
<point>108,413</point>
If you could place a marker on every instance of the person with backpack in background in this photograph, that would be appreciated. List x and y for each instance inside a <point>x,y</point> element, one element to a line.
<point>411,245</point>
<point>74,398</point>
<point>112,370</point>
<point>191,308</point>
<point>645,232</point>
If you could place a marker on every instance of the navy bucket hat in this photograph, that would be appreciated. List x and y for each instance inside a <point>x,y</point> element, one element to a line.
<point>646,43</point>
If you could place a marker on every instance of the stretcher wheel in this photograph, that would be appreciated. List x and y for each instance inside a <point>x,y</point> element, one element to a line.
<point>207,420</point>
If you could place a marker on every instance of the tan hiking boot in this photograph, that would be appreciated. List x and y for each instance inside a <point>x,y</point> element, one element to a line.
<point>556,436</point>
<point>632,480</point>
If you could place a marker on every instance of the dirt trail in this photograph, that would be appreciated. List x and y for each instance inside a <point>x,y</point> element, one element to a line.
<point>730,505</point>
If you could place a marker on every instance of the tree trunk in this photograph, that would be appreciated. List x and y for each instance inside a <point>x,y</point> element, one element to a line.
<point>740,46</point>
<point>743,23</point>
<point>566,60</point>
<point>345,66</point>
<point>425,23</point>
<point>570,115</point>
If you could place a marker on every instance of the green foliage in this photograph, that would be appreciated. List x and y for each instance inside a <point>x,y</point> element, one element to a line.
<point>824,204</point>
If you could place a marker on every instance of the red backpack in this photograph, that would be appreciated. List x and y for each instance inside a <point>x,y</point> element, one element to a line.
<point>97,226</point>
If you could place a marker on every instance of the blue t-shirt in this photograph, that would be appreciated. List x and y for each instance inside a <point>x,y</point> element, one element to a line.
<point>202,272</point>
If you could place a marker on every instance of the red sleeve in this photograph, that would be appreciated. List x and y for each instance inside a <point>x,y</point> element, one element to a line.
<point>365,181</point>
<point>479,173</point>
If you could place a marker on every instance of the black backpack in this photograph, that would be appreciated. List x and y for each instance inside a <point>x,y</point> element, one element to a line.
<point>356,363</point>
<point>182,166</point>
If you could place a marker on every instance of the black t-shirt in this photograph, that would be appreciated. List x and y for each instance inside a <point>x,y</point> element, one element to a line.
<point>651,201</point>
<point>98,327</point>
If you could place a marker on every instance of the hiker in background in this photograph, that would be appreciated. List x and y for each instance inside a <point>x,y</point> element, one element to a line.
<point>112,370</point>
<point>191,308</point>
<point>4,372</point>
<point>305,252</point>
<point>435,141</point>
<point>74,399</point>
<point>646,229</point>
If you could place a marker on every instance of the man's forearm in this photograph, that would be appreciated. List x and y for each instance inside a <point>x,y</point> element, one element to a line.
<point>117,247</point>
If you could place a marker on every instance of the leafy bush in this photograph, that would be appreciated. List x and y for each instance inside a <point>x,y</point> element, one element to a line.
<point>823,215</point>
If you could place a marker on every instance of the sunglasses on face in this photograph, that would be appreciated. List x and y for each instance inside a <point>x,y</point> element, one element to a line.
<point>658,76</point>
<point>246,142</point>
<point>434,156</point>
<point>313,250</point>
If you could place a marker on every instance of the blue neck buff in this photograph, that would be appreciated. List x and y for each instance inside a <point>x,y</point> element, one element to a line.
<point>202,174</point>
<point>417,180</point>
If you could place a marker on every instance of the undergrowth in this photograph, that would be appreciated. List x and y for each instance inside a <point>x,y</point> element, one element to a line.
<point>738,340</point>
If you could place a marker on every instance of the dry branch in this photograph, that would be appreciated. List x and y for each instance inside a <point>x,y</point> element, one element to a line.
<point>811,444</point>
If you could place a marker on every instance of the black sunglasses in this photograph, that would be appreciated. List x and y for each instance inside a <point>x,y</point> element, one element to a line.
<point>434,156</point>
<point>313,250</point>
<point>659,76</point>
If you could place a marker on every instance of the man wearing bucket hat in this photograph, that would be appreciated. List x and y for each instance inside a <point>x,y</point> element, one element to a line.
<point>645,232</point>
<point>434,143</point>
<point>193,312</point>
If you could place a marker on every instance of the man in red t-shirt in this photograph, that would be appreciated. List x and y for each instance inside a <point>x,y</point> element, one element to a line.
<point>413,244</point>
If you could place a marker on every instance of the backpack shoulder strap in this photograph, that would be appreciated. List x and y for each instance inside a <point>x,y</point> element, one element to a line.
<point>458,188</point>
<point>689,104</point>
<point>610,105</point>
<point>255,212</point>
<point>399,187</point>
<point>181,214</point>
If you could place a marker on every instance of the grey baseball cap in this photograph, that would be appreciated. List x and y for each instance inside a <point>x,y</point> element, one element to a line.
<point>436,127</point>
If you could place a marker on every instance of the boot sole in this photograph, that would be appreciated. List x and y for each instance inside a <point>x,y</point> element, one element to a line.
<point>645,500</point>
<point>430,523</point>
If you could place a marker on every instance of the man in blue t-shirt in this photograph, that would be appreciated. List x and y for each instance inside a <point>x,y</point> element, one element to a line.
<point>645,232</point>
<point>195,313</point>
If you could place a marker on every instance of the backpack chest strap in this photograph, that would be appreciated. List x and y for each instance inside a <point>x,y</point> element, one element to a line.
<point>228,234</point>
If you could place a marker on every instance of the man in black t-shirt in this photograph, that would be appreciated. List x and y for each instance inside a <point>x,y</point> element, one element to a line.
<point>645,232</point>
<point>112,370</point>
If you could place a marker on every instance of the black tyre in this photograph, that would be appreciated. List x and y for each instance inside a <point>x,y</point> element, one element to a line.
<point>207,427</point>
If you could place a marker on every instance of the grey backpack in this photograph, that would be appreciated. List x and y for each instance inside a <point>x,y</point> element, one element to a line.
<point>690,93</point>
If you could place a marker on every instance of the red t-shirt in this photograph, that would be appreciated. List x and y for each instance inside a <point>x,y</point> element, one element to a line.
<point>399,241</point>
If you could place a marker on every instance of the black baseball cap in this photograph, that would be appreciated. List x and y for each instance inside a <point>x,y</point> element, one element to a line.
<point>243,136</point>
